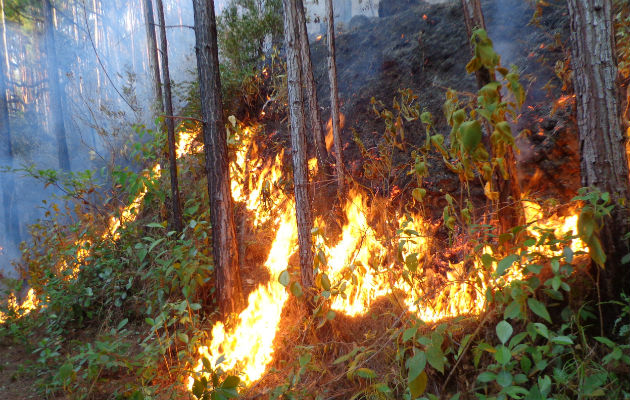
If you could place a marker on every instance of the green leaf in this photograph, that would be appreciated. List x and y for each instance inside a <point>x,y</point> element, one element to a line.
<point>149,321</point>
<point>416,365</point>
<point>183,337</point>
<point>564,340</point>
<point>471,134</point>
<point>504,378</point>
<point>506,263</point>
<point>284,278</point>
<point>513,310</point>
<point>198,388</point>
<point>155,225</point>
<point>504,331</point>
<point>502,355</point>
<point>409,333</point>
<point>365,373</point>
<point>435,357</point>
<point>231,382</point>
<point>486,377</point>
<point>539,309</point>
<point>418,385</point>
<point>121,324</point>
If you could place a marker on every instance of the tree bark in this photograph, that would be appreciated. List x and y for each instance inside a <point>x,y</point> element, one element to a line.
<point>310,88</point>
<point>298,139</point>
<point>473,16</point>
<point>6,147</point>
<point>176,211</point>
<point>228,278</point>
<point>334,96</point>
<point>152,50</point>
<point>510,212</point>
<point>604,162</point>
<point>56,110</point>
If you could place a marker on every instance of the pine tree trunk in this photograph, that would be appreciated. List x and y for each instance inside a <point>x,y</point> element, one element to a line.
<point>228,278</point>
<point>310,89</point>
<point>510,211</point>
<point>152,50</point>
<point>604,163</point>
<point>56,110</point>
<point>176,211</point>
<point>6,146</point>
<point>298,139</point>
<point>334,96</point>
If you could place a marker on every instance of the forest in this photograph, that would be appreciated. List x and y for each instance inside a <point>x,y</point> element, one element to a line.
<point>315,199</point>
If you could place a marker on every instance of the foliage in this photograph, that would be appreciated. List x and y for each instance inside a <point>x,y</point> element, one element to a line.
<point>247,31</point>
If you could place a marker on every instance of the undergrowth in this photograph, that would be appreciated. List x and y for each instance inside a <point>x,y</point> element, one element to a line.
<point>122,313</point>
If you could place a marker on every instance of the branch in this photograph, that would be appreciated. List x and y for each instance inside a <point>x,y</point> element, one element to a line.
<point>182,117</point>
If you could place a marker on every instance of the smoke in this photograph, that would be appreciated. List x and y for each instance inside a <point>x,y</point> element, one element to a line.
<point>103,73</point>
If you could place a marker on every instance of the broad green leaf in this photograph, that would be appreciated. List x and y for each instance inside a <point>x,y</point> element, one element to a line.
<point>513,310</point>
<point>409,333</point>
<point>506,263</point>
<point>435,357</point>
<point>471,134</point>
<point>504,331</point>
<point>231,382</point>
<point>504,378</point>
<point>502,355</point>
<point>486,377</point>
<point>539,309</point>
<point>416,365</point>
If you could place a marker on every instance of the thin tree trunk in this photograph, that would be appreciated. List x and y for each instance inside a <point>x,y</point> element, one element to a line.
<point>298,139</point>
<point>510,211</point>
<point>474,19</point>
<point>228,278</point>
<point>152,50</point>
<point>6,147</point>
<point>176,211</point>
<point>56,110</point>
<point>334,96</point>
<point>310,89</point>
<point>604,163</point>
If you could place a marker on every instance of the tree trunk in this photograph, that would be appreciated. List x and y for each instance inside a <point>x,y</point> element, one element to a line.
<point>604,163</point>
<point>473,16</point>
<point>56,110</point>
<point>310,88</point>
<point>6,147</point>
<point>228,278</point>
<point>152,50</point>
<point>334,96</point>
<point>176,211</point>
<point>510,212</point>
<point>298,139</point>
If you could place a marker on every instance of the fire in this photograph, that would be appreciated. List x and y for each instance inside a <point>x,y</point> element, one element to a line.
<point>425,17</point>
<point>560,225</point>
<point>29,304</point>
<point>329,130</point>
<point>249,345</point>
<point>186,144</point>
<point>318,38</point>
